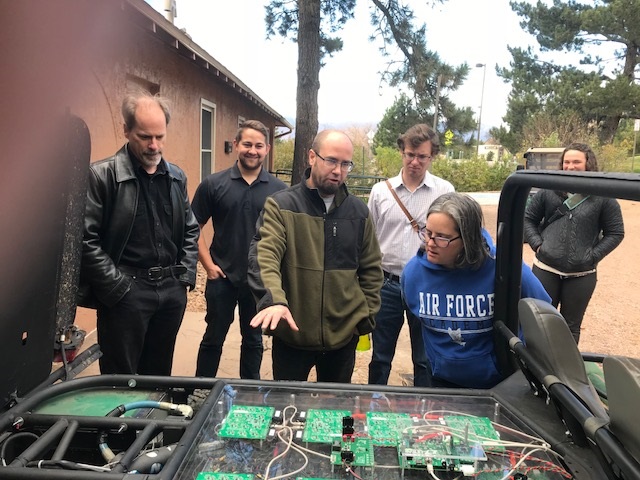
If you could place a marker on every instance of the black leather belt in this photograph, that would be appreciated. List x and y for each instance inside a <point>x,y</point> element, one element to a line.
<point>154,273</point>
<point>391,276</point>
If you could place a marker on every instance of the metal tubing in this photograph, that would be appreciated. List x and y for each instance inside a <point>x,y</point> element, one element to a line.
<point>39,447</point>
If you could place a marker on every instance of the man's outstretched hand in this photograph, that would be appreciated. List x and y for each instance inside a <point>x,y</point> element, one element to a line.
<point>269,318</point>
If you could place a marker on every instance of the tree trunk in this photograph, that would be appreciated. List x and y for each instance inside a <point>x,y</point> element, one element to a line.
<point>608,128</point>
<point>308,84</point>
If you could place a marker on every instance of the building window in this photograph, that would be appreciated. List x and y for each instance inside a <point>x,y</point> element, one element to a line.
<point>241,120</point>
<point>207,137</point>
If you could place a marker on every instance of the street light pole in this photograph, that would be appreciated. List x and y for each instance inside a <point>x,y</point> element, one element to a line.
<point>484,74</point>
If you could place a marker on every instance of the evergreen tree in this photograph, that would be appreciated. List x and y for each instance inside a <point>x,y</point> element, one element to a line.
<point>600,92</point>
<point>309,22</point>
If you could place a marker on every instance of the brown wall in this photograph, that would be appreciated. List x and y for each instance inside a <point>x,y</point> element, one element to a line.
<point>102,47</point>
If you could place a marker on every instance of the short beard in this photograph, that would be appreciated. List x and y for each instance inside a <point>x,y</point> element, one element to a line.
<point>328,191</point>
<point>147,162</point>
<point>248,166</point>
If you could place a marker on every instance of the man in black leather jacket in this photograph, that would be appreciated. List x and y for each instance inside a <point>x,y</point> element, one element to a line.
<point>140,245</point>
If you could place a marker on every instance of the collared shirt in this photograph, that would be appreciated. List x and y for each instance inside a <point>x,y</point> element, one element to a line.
<point>399,242</point>
<point>150,242</point>
<point>233,206</point>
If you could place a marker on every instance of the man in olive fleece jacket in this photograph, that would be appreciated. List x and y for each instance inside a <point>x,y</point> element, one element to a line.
<point>315,263</point>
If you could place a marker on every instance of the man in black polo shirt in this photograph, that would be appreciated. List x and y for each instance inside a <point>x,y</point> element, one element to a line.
<point>140,245</point>
<point>233,199</point>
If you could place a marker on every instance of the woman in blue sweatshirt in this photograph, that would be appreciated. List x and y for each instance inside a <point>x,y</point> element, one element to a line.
<point>449,285</point>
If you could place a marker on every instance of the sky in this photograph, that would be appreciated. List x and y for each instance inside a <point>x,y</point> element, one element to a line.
<point>471,31</point>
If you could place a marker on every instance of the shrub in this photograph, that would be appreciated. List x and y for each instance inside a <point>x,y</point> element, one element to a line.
<point>474,175</point>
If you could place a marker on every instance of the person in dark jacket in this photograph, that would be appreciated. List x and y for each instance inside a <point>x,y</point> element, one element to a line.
<point>140,245</point>
<point>314,268</point>
<point>570,234</point>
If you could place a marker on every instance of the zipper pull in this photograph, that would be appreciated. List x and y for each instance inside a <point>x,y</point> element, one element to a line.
<point>335,230</point>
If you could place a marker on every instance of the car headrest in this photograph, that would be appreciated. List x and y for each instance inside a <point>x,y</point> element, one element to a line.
<point>622,376</point>
<point>548,338</point>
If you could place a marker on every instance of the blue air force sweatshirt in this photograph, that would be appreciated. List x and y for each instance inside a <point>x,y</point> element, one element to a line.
<point>455,308</point>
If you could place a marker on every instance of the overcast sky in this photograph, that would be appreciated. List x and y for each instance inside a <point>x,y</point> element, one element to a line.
<point>471,31</point>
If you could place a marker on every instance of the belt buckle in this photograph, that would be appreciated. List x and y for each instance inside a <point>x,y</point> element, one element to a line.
<point>155,273</point>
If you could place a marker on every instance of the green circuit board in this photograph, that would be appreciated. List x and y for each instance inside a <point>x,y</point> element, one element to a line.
<point>459,446</point>
<point>324,426</point>
<point>358,453</point>
<point>247,422</point>
<point>385,428</point>
<point>442,454</point>
<point>472,430</point>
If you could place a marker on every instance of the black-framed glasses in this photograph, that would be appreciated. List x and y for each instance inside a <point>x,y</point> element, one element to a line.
<point>422,158</point>
<point>442,242</point>
<point>332,162</point>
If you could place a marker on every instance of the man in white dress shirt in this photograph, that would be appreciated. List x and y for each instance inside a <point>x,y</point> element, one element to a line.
<point>416,188</point>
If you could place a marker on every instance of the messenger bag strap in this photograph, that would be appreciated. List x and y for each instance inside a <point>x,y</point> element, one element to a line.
<point>566,206</point>
<point>412,221</point>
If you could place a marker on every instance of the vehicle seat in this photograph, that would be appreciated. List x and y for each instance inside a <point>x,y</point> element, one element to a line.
<point>622,376</point>
<point>548,338</point>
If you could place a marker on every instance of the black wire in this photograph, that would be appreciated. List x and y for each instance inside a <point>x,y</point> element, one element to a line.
<point>12,437</point>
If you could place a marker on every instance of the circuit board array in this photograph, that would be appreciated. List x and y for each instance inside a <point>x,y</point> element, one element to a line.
<point>456,445</point>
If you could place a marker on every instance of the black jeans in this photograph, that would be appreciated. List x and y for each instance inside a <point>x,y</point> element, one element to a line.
<point>571,293</point>
<point>290,363</point>
<point>138,334</point>
<point>222,298</point>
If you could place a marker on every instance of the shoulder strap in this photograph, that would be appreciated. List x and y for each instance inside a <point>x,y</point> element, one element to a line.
<point>412,221</point>
<point>568,205</point>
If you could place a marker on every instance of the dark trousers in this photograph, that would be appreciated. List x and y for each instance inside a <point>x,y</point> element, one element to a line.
<point>571,293</point>
<point>290,363</point>
<point>389,322</point>
<point>222,298</point>
<point>138,334</point>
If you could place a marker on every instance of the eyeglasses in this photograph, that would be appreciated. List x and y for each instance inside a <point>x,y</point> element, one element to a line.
<point>442,242</point>
<point>421,158</point>
<point>332,162</point>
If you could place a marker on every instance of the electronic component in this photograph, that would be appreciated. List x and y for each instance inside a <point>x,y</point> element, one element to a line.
<point>454,445</point>
<point>470,429</point>
<point>277,418</point>
<point>324,426</point>
<point>386,428</point>
<point>247,422</point>
<point>347,428</point>
<point>357,452</point>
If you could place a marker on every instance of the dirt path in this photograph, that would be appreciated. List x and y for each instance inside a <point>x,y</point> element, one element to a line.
<point>611,324</point>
